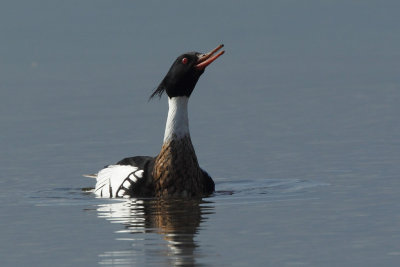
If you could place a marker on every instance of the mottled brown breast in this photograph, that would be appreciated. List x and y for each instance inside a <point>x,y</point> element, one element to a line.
<point>176,170</point>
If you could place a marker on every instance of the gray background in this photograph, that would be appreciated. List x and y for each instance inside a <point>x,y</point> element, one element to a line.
<point>299,118</point>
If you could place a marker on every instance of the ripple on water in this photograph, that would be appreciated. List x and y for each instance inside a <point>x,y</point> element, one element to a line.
<point>61,197</point>
<point>164,231</point>
<point>266,190</point>
<point>263,191</point>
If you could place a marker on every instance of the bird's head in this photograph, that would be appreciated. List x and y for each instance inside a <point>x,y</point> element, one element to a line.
<point>185,72</point>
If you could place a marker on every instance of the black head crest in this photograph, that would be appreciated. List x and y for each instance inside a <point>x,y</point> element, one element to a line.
<point>159,91</point>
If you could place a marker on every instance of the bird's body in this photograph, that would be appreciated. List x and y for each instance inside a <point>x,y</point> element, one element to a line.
<point>175,171</point>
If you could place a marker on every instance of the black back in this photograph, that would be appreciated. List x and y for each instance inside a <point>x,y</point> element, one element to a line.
<point>143,187</point>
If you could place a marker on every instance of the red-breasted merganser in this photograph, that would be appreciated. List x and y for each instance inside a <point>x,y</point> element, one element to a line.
<point>175,172</point>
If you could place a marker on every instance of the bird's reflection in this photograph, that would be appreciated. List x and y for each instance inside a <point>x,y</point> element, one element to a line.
<point>163,231</point>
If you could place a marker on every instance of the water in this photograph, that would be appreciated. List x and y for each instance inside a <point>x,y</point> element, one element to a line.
<point>297,123</point>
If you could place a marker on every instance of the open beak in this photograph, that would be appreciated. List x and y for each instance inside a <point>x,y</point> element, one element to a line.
<point>206,59</point>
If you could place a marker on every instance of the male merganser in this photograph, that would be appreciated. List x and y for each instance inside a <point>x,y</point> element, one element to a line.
<point>175,172</point>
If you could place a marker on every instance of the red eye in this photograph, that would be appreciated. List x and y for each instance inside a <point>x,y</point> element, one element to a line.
<point>184,60</point>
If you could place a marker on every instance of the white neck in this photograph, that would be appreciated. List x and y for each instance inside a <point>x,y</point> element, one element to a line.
<point>177,121</point>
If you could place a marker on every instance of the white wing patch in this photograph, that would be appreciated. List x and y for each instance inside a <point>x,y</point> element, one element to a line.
<point>117,180</point>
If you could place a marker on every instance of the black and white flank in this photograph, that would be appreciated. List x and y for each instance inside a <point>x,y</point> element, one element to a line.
<point>175,171</point>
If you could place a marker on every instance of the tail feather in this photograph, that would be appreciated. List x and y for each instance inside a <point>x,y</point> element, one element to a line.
<point>94,175</point>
